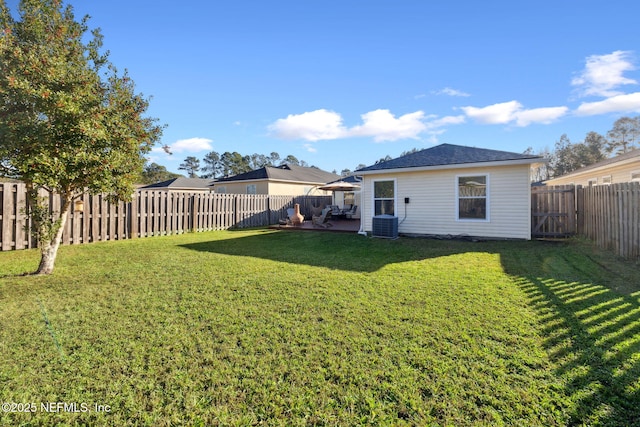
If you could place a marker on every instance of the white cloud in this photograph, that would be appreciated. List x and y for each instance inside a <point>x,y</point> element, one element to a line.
<point>495,114</point>
<point>513,111</point>
<point>191,145</point>
<point>451,92</point>
<point>310,148</point>
<point>384,126</point>
<point>324,125</point>
<point>603,73</point>
<point>311,126</point>
<point>616,104</point>
<point>539,115</point>
<point>445,121</point>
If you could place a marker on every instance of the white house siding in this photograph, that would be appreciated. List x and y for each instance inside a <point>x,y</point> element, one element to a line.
<point>432,205</point>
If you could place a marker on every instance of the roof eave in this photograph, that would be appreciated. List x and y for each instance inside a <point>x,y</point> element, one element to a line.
<point>288,181</point>
<point>455,166</point>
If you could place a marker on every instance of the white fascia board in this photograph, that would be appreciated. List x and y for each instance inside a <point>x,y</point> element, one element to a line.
<point>454,166</point>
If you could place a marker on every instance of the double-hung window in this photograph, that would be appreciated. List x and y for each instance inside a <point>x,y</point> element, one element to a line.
<point>473,197</point>
<point>384,197</point>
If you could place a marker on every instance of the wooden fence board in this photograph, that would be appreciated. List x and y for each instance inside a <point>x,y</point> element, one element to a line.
<point>553,211</point>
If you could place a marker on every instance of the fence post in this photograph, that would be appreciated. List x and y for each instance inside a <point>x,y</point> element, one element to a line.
<point>236,212</point>
<point>579,210</point>
<point>133,215</point>
<point>192,215</point>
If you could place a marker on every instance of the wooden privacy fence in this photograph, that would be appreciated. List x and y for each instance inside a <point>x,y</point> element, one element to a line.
<point>553,212</point>
<point>607,214</point>
<point>610,216</point>
<point>150,213</point>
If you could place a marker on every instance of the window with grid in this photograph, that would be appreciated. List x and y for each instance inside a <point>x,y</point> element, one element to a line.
<point>472,197</point>
<point>384,197</point>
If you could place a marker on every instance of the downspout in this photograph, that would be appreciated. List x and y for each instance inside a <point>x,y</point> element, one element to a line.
<point>362,192</point>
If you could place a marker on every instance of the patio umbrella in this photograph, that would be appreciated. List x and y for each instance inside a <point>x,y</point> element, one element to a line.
<point>340,186</point>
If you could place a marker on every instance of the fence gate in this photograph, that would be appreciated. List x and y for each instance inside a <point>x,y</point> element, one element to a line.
<point>553,211</point>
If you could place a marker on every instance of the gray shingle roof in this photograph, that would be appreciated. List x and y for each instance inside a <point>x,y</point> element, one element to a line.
<point>182,183</point>
<point>448,154</point>
<point>284,173</point>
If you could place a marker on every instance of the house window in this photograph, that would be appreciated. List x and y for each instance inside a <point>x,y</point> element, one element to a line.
<point>384,197</point>
<point>606,179</point>
<point>349,198</point>
<point>473,197</point>
<point>251,189</point>
<point>221,190</point>
<point>635,176</point>
<point>592,181</point>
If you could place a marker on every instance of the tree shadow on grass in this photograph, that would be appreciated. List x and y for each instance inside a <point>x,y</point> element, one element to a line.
<point>587,304</point>
<point>348,252</point>
<point>592,334</point>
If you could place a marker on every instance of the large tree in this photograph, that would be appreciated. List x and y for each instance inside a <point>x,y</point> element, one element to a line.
<point>69,121</point>
<point>212,168</point>
<point>154,172</point>
<point>624,135</point>
<point>191,165</point>
<point>233,163</point>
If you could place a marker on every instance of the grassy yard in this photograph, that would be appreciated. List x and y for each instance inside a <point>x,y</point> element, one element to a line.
<point>264,327</point>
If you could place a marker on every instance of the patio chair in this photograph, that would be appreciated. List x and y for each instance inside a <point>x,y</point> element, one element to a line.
<point>335,209</point>
<point>322,220</point>
<point>351,212</point>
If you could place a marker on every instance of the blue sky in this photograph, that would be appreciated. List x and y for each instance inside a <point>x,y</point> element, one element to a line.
<point>343,83</point>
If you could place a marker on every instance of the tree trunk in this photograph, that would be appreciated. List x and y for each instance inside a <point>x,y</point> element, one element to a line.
<point>49,249</point>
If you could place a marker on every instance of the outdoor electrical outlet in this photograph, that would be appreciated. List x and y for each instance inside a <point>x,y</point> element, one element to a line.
<point>406,200</point>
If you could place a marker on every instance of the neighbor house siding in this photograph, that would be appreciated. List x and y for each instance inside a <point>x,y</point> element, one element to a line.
<point>241,187</point>
<point>294,189</point>
<point>618,173</point>
<point>432,202</point>
<point>273,188</point>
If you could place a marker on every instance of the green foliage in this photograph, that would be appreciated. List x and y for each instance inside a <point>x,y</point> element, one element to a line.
<point>44,224</point>
<point>212,166</point>
<point>68,120</point>
<point>624,135</point>
<point>263,327</point>
<point>569,156</point>
<point>154,172</point>
<point>191,165</point>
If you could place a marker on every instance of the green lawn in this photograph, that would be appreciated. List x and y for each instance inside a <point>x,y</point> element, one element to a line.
<point>264,327</point>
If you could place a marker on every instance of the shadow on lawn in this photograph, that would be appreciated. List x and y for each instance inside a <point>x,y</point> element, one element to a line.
<point>592,337</point>
<point>349,252</point>
<point>592,332</point>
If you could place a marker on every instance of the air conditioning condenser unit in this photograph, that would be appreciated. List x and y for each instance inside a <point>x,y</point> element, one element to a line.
<point>385,226</point>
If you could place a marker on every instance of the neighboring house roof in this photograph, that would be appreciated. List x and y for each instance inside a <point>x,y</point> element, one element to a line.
<point>449,155</point>
<point>181,183</point>
<point>622,158</point>
<point>290,173</point>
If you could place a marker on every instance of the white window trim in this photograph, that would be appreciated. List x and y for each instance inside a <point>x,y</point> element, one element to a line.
<point>373,194</point>
<point>222,189</point>
<point>487,198</point>
<point>610,180</point>
<point>255,188</point>
<point>637,179</point>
